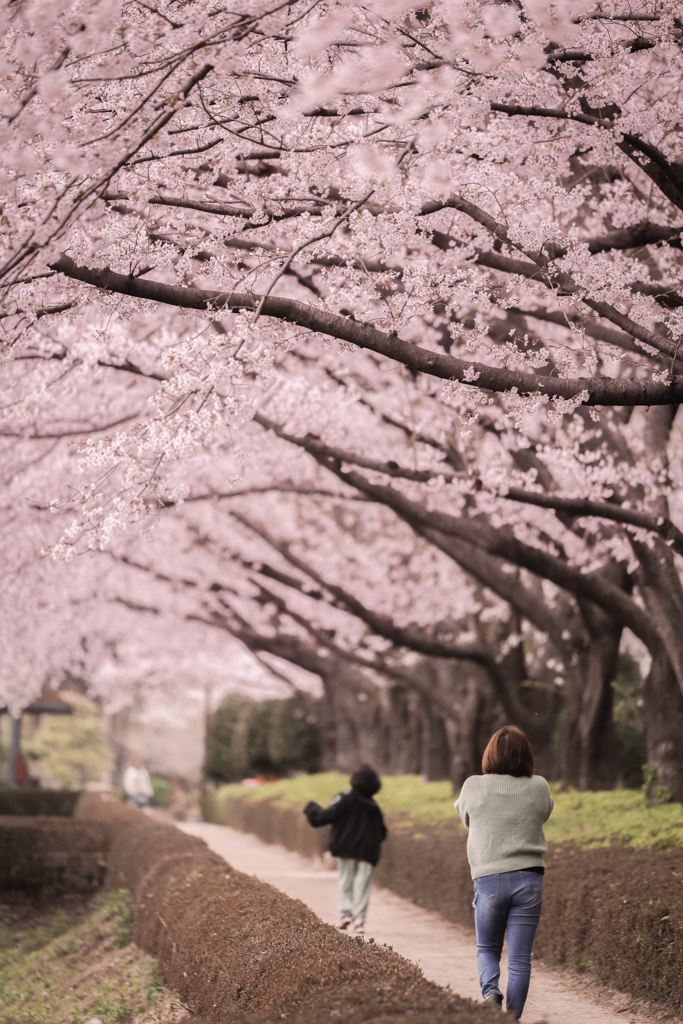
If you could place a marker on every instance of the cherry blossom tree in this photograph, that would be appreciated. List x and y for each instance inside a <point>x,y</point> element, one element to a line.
<point>446,242</point>
<point>389,178</point>
<point>595,563</point>
<point>412,603</point>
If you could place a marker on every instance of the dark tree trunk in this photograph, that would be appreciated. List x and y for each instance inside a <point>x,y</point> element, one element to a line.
<point>466,758</point>
<point>327,723</point>
<point>664,724</point>
<point>541,704</point>
<point>660,585</point>
<point>117,727</point>
<point>356,724</point>
<point>381,732</point>
<point>435,749</point>
<point>590,748</point>
<point>479,716</point>
<point>531,708</point>
<point>405,731</point>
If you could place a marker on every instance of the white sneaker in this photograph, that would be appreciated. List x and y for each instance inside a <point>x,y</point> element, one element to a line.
<point>346,920</point>
<point>359,927</point>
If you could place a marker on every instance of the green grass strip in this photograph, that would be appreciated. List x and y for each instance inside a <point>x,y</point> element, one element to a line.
<point>614,817</point>
<point>58,972</point>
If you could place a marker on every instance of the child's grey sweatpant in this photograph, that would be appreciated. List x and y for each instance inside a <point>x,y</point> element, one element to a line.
<point>355,882</point>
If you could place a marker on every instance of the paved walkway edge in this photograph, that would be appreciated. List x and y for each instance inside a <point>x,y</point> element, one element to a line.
<point>445,952</point>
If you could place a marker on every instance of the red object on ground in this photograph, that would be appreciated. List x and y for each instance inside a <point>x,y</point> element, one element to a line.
<point>20,770</point>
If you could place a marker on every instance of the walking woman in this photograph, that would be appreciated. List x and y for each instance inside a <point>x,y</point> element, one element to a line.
<point>504,811</point>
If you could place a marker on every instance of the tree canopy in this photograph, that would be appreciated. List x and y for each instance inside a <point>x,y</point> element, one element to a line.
<point>369,316</point>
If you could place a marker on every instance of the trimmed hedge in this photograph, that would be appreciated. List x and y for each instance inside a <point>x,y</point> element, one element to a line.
<point>53,802</point>
<point>236,948</point>
<point>45,855</point>
<point>270,822</point>
<point>619,913</point>
<point>615,911</point>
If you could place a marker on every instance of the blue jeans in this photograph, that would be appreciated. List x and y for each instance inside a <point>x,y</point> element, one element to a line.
<point>512,900</point>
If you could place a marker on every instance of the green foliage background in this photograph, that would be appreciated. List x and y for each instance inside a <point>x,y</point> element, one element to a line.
<point>61,972</point>
<point>618,816</point>
<point>70,749</point>
<point>629,719</point>
<point>247,738</point>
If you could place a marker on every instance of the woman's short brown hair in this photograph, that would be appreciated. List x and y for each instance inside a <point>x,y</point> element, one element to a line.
<point>508,753</point>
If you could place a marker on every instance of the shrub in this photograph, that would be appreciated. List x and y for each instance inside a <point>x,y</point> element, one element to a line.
<point>293,736</point>
<point>224,760</point>
<point>237,950</point>
<point>607,817</point>
<point>273,737</point>
<point>51,854</point>
<point>162,791</point>
<point>28,802</point>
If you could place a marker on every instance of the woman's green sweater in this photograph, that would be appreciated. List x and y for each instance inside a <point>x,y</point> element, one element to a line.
<point>504,816</point>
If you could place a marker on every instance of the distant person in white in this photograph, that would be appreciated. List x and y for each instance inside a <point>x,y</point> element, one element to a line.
<point>137,784</point>
<point>504,811</point>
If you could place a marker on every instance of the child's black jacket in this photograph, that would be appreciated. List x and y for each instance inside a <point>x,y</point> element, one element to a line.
<point>358,828</point>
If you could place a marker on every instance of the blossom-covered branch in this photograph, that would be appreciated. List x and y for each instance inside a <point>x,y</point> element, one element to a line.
<point>589,390</point>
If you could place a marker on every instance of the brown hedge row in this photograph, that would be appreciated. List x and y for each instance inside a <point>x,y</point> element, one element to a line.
<point>52,802</point>
<point>430,868</point>
<point>236,949</point>
<point>615,911</point>
<point>618,912</point>
<point>269,822</point>
<point>51,854</point>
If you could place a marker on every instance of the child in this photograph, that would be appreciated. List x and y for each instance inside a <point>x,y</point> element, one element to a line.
<point>356,836</point>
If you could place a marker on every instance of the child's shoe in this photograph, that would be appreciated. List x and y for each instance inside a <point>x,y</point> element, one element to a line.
<point>345,921</point>
<point>359,927</point>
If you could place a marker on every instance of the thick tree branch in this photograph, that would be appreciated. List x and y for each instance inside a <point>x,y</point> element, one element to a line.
<point>69,433</point>
<point>283,488</point>
<point>560,621</point>
<point>404,678</point>
<point>236,209</point>
<point>502,543</point>
<point>598,331</point>
<point>313,445</point>
<point>505,545</point>
<point>572,507</point>
<point>485,568</point>
<point>602,510</point>
<point>549,275</point>
<point>412,637</point>
<point>635,237</point>
<point>665,174</point>
<point>599,390</point>
<point>289,648</point>
<point>333,669</point>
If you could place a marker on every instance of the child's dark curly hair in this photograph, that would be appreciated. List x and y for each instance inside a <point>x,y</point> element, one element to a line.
<point>366,781</point>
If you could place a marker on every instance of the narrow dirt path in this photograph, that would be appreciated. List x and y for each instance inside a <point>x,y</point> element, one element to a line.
<point>445,952</point>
